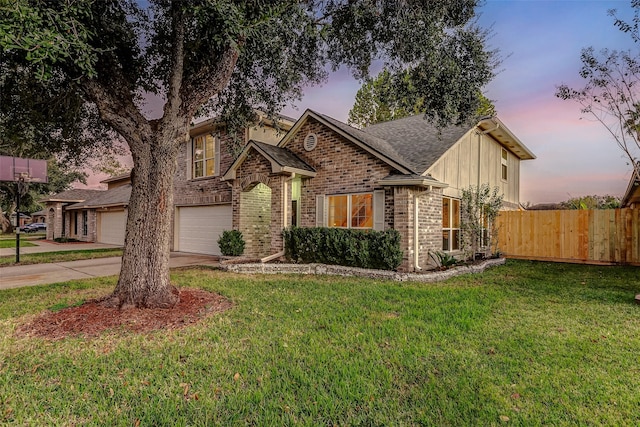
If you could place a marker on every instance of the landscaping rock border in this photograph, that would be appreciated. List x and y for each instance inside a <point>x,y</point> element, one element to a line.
<point>338,270</point>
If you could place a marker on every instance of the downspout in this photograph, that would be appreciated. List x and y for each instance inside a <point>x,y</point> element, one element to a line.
<point>416,235</point>
<point>285,211</point>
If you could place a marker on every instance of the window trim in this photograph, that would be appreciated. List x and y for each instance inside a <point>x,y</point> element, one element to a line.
<point>191,158</point>
<point>378,209</point>
<point>504,164</point>
<point>349,208</point>
<point>450,230</point>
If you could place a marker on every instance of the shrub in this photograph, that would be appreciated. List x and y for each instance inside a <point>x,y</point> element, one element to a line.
<point>231,243</point>
<point>65,240</point>
<point>339,246</point>
<point>443,259</point>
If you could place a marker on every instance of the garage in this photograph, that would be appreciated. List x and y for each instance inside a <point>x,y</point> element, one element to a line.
<point>199,227</point>
<point>111,227</point>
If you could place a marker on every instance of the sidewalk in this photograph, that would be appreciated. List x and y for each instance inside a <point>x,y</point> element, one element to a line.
<point>49,246</point>
<point>17,276</point>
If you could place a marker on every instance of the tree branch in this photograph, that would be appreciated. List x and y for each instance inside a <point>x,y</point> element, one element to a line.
<point>208,81</point>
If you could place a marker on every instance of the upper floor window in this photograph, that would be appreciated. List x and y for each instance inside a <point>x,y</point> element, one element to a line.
<point>450,224</point>
<point>503,164</point>
<point>350,210</point>
<point>204,156</point>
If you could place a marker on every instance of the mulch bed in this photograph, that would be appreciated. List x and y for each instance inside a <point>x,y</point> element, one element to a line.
<point>92,318</point>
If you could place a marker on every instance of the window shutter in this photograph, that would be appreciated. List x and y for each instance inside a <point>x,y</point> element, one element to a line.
<point>378,210</point>
<point>189,159</point>
<point>320,216</point>
<point>216,145</point>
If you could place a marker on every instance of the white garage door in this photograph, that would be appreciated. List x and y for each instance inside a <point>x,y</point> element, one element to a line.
<point>112,227</point>
<point>199,227</point>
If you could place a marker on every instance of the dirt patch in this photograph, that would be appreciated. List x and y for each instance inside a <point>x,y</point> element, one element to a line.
<point>93,318</point>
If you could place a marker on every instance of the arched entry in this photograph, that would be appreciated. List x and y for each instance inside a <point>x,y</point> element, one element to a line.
<point>255,219</point>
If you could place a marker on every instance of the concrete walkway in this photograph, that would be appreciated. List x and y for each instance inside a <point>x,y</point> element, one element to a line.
<point>17,276</point>
<point>49,246</point>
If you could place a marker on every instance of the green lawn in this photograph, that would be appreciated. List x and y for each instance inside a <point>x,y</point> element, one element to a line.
<point>523,344</point>
<point>5,243</point>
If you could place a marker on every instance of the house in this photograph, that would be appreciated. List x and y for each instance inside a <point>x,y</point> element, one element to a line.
<point>631,198</point>
<point>103,217</point>
<point>58,220</point>
<point>39,216</point>
<point>90,215</point>
<point>24,219</point>
<point>202,200</point>
<point>404,174</point>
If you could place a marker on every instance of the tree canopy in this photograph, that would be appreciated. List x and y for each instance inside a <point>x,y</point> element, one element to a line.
<point>226,58</point>
<point>392,96</point>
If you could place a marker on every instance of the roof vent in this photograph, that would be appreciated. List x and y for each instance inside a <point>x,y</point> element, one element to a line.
<point>310,141</point>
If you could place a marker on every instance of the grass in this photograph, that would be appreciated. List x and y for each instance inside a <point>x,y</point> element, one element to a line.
<point>5,243</point>
<point>523,344</point>
<point>60,256</point>
<point>23,236</point>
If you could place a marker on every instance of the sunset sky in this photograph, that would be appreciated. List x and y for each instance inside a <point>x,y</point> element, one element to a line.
<point>540,42</point>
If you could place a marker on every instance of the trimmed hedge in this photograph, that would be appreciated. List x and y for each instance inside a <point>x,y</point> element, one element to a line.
<point>339,246</point>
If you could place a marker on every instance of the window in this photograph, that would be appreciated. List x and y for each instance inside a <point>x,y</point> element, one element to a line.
<point>505,156</point>
<point>204,155</point>
<point>350,211</point>
<point>85,223</point>
<point>75,216</point>
<point>450,224</point>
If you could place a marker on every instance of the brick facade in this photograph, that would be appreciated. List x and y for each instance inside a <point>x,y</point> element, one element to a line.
<point>342,167</point>
<point>202,191</point>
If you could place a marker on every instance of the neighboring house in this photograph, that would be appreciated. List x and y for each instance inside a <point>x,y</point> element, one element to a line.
<point>24,219</point>
<point>631,198</point>
<point>404,174</point>
<point>103,217</point>
<point>40,216</point>
<point>58,220</point>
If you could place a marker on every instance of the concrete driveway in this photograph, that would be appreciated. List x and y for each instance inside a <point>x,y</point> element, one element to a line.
<point>16,276</point>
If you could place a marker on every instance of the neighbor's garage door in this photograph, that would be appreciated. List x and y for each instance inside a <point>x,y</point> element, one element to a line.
<point>112,227</point>
<point>198,228</point>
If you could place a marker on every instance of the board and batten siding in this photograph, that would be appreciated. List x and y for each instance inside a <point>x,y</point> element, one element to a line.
<point>458,167</point>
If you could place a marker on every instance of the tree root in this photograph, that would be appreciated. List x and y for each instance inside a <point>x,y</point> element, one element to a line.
<point>121,301</point>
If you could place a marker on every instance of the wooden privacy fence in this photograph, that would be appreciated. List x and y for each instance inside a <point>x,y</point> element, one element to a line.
<point>605,236</point>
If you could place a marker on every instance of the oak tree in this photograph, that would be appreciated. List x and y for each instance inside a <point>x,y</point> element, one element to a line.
<point>226,58</point>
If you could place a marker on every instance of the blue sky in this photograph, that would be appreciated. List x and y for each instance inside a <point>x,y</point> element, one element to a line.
<point>540,42</point>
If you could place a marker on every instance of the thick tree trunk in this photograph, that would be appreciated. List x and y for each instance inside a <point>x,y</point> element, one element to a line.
<point>144,277</point>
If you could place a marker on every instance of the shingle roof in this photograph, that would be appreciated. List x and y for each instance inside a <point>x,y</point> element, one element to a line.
<point>73,195</point>
<point>416,140</point>
<point>283,156</point>
<point>114,197</point>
